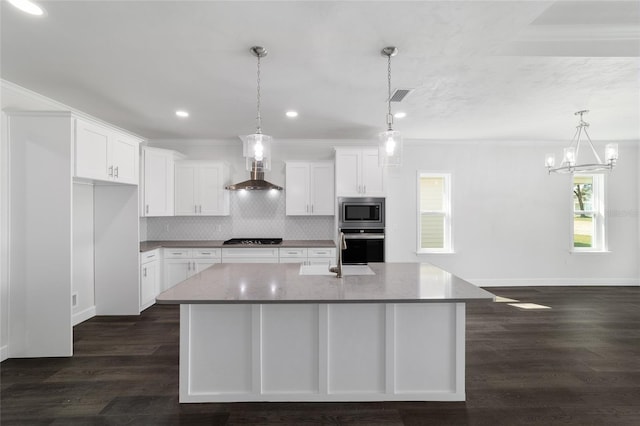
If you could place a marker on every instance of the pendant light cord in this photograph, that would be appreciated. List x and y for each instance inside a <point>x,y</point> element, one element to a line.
<point>389,116</point>
<point>258,117</point>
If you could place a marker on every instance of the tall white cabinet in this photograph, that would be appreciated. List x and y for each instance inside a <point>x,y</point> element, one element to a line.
<point>43,146</point>
<point>309,188</point>
<point>199,188</point>
<point>358,173</point>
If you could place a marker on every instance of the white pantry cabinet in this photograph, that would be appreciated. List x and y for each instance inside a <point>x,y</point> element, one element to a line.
<point>157,183</point>
<point>309,188</point>
<point>358,173</point>
<point>199,188</point>
<point>149,277</point>
<point>182,263</point>
<point>103,153</point>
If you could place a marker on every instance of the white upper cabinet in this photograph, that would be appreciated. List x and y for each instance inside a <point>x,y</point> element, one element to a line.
<point>309,188</point>
<point>157,181</point>
<point>199,188</point>
<point>358,173</point>
<point>102,153</point>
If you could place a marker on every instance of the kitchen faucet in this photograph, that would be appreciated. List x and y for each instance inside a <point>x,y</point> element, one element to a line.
<point>342,244</point>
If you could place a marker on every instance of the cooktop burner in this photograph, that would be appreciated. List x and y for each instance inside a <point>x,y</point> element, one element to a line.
<point>258,241</point>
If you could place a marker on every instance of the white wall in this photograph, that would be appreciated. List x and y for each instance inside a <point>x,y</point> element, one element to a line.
<point>4,240</point>
<point>83,252</point>
<point>512,221</point>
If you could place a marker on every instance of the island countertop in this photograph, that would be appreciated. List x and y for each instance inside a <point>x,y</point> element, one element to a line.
<point>253,283</point>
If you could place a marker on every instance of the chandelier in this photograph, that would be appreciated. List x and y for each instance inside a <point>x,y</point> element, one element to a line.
<point>571,161</point>
<point>257,147</point>
<point>390,146</point>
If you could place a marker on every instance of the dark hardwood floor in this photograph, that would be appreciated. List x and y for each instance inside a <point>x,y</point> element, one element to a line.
<point>575,364</point>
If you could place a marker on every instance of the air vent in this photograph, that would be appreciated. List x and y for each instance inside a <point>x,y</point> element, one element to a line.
<point>400,94</point>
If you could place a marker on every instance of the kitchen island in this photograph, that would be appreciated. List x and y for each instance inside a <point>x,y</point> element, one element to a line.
<point>279,332</point>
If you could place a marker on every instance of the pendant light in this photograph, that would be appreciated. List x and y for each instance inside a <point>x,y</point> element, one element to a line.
<point>572,162</point>
<point>257,146</point>
<point>390,145</point>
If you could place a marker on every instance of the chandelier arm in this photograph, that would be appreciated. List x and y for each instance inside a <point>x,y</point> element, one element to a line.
<point>595,153</point>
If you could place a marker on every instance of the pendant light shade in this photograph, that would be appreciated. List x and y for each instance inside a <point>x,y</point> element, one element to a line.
<point>390,141</point>
<point>256,147</point>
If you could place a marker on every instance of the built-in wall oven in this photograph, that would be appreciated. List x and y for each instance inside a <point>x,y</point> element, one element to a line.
<point>362,222</point>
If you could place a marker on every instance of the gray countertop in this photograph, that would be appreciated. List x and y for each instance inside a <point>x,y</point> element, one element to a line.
<point>151,245</point>
<point>282,283</point>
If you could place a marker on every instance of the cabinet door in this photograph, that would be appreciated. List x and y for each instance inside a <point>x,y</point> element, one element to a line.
<point>157,183</point>
<point>372,174</point>
<point>91,151</point>
<point>185,190</point>
<point>297,189</point>
<point>176,270</point>
<point>149,280</point>
<point>202,264</point>
<point>348,165</point>
<point>322,189</point>
<point>123,157</point>
<point>210,191</point>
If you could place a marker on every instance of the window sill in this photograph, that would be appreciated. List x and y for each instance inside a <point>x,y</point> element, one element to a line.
<point>572,252</point>
<point>435,252</point>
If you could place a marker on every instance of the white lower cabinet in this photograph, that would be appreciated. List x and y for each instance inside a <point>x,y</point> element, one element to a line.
<point>250,255</point>
<point>308,255</point>
<point>182,263</point>
<point>149,277</point>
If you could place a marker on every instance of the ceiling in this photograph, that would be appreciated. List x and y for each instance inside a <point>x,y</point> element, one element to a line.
<point>481,70</point>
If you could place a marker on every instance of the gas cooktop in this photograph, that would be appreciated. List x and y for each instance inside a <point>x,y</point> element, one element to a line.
<point>258,241</point>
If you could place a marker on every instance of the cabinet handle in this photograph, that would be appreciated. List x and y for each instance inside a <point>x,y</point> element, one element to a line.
<point>194,266</point>
<point>110,171</point>
<point>144,272</point>
<point>200,209</point>
<point>364,190</point>
<point>195,208</point>
<point>306,208</point>
<point>146,209</point>
<point>205,252</point>
<point>311,208</point>
<point>115,172</point>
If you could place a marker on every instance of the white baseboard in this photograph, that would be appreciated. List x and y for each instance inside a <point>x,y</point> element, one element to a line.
<point>4,352</point>
<point>83,315</point>
<point>553,282</point>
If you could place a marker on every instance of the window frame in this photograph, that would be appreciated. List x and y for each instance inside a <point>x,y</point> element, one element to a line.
<point>599,238</point>
<point>447,211</point>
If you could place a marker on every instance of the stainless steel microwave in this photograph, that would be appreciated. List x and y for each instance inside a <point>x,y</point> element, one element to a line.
<point>361,212</point>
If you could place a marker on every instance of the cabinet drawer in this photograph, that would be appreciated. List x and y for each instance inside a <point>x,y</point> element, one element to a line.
<point>176,253</point>
<point>249,252</point>
<point>213,253</point>
<point>149,256</point>
<point>322,252</point>
<point>293,252</point>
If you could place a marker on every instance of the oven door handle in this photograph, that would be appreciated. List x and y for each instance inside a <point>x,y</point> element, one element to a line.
<point>364,236</point>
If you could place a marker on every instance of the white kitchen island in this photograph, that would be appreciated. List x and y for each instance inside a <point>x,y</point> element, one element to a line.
<point>256,332</point>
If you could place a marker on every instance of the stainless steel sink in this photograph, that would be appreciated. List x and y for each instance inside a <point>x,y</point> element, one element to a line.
<point>346,270</point>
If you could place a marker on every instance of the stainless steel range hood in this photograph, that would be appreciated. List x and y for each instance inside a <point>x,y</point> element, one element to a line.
<point>256,183</point>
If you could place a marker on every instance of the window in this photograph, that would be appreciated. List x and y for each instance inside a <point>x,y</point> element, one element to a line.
<point>434,217</point>
<point>588,213</point>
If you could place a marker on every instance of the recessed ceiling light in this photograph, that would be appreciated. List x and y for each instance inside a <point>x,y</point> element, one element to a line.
<point>182,114</point>
<point>400,114</point>
<point>292,114</point>
<point>28,7</point>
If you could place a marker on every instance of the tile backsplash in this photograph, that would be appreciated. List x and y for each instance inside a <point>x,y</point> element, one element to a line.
<point>258,214</point>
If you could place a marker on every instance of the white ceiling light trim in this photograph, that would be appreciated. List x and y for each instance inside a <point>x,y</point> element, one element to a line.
<point>291,114</point>
<point>28,7</point>
<point>571,161</point>
<point>390,145</point>
<point>182,113</point>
